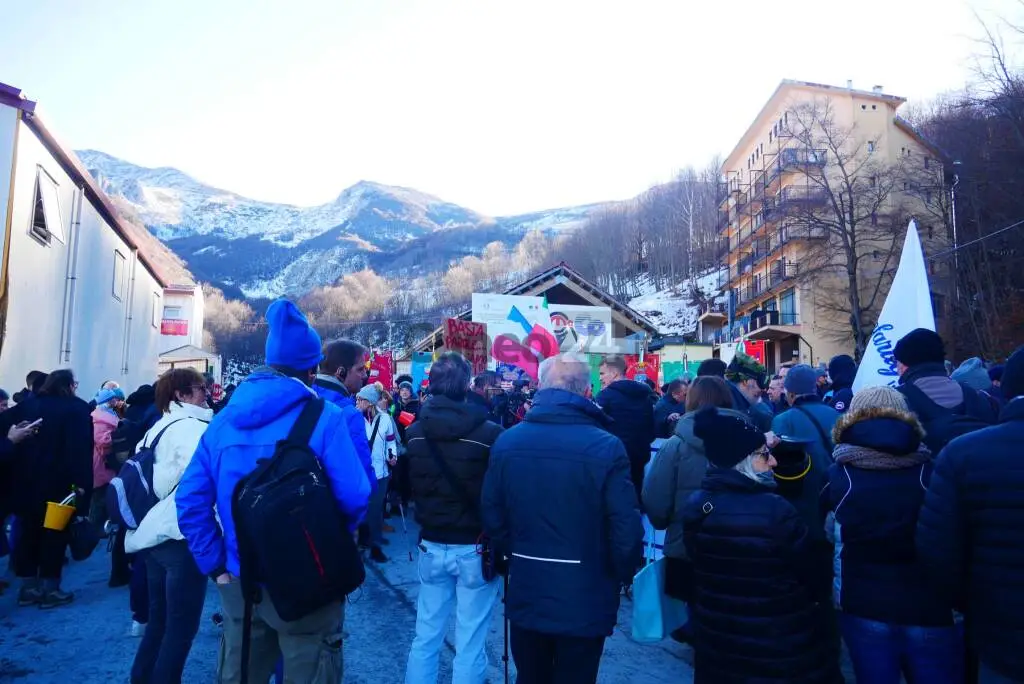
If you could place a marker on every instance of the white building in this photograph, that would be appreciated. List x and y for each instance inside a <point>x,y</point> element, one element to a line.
<point>182,320</point>
<point>75,290</point>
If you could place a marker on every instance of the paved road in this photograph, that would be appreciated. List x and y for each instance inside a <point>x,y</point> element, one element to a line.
<point>87,642</point>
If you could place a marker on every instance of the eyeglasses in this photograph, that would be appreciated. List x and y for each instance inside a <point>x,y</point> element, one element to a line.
<point>764,453</point>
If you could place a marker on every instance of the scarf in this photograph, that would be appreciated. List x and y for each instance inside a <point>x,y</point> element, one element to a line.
<point>871,459</point>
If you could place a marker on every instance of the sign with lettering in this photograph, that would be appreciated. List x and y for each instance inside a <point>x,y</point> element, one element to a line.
<point>469,339</point>
<point>172,326</point>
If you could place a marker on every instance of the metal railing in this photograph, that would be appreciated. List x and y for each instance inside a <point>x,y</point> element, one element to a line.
<point>782,271</point>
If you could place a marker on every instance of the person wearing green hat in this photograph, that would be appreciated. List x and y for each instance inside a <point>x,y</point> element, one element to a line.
<point>748,378</point>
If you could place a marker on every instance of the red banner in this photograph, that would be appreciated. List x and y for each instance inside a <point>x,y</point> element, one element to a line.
<point>648,368</point>
<point>170,326</point>
<point>755,348</point>
<point>469,339</point>
<point>382,369</point>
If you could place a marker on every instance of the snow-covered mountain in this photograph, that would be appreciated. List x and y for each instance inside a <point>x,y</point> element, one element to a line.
<point>266,249</point>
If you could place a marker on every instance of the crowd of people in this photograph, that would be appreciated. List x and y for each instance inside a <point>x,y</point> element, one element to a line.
<point>799,516</point>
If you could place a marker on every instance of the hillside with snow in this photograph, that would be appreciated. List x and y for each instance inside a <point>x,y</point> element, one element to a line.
<point>266,249</point>
<point>673,309</point>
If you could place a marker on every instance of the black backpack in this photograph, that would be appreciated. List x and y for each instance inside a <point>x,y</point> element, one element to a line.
<point>293,541</point>
<point>126,438</point>
<point>943,425</point>
<point>130,495</point>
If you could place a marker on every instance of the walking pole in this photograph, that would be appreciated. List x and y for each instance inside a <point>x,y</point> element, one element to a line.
<point>405,529</point>
<point>504,616</point>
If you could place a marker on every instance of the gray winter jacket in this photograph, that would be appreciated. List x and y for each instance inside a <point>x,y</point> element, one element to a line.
<point>675,473</point>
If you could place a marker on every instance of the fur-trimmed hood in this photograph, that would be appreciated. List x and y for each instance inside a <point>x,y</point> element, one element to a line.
<point>885,429</point>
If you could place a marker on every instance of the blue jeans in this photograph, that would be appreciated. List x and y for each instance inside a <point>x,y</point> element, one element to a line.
<point>924,655</point>
<point>451,577</point>
<point>177,591</point>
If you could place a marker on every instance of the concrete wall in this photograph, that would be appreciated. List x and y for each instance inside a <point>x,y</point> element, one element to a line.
<point>65,309</point>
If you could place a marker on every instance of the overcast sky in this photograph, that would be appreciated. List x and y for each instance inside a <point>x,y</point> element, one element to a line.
<point>503,107</point>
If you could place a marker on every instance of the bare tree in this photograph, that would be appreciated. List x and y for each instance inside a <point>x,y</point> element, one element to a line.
<point>852,201</point>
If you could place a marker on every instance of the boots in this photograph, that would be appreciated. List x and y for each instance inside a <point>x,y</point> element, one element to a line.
<point>53,596</point>
<point>30,593</point>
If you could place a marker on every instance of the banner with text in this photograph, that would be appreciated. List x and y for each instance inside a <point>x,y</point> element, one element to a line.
<point>582,328</point>
<point>518,328</point>
<point>382,369</point>
<point>469,339</point>
<point>907,307</point>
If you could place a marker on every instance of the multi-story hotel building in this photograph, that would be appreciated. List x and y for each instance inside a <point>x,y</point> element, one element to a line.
<point>780,241</point>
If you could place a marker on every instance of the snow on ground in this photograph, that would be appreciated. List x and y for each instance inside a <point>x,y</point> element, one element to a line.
<point>87,643</point>
<point>670,308</point>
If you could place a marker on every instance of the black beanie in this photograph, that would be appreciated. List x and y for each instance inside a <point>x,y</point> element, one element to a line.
<point>727,440</point>
<point>715,367</point>
<point>1012,383</point>
<point>920,346</point>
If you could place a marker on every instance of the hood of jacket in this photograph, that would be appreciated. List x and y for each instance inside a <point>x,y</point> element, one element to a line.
<point>445,419</point>
<point>143,396</point>
<point>630,389</point>
<point>842,370</point>
<point>727,479</point>
<point>263,398</point>
<point>562,406</point>
<point>883,429</point>
<point>684,428</point>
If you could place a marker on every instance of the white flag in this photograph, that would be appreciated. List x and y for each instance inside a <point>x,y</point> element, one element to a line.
<point>907,307</point>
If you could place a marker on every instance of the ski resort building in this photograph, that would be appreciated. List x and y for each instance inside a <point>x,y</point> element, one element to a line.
<point>75,289</point>
<point>812,152</point>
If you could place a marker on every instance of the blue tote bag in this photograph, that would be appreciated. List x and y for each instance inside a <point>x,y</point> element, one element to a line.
<point>655,615</point>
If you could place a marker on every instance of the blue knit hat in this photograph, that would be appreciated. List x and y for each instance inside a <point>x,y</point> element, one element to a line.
<point>802,380</point>
<point>973,374</point>
<point>291,341</point>
<point>107,395</point>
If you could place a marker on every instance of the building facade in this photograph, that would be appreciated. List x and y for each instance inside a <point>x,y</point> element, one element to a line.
<point>181,321</point>
<point>75,290</point>
<point>816,197</point>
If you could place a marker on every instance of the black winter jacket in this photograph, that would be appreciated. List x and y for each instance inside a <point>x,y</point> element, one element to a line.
<point>45,467</point>
<point>463,436</point>
<point>559,499</point>
<point>875,511</point>
<point>757,620</point>
<point>665,407</point>
<point>970,537</point>
<point>482,404</point>
<point>628,404</point>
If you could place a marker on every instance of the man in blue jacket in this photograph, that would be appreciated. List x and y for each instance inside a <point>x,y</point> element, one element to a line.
<point>970,533</point>
<point>558,499</point>
<point>343,373</point>
<point>262,412</point>
<point>628,404</point>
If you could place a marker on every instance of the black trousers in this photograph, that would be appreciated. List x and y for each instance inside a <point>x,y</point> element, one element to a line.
<point>39,552</point>
<point>553,659</point>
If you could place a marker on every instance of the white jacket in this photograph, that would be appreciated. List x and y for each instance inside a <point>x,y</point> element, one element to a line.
<point>173,454</point>
<point>386,441</point>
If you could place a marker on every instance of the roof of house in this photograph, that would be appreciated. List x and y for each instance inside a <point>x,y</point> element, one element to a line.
<point>771,106</point>
<point>72,165</point>
<point>187,352</point>
<point>563,270</point>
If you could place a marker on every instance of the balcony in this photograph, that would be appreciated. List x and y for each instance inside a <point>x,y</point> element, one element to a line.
<point>794,198</point>
<point>794,231</point>
<point>781,272</point>
<point>714,311</point>
<point>722,249</point>
<point>773,325</point>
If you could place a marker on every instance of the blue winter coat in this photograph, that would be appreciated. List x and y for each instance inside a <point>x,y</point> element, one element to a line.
<point>330,389</point>
<point>558,497</point>
<point>262,411</point>
<point>755,608</point>
<point>797,425</point>
<point>970,537</point>
<point>875,491</point>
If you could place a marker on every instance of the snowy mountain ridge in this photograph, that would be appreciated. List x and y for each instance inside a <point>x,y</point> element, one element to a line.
<point>265,249</point>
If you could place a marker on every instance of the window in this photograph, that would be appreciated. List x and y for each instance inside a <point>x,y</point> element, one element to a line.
<point>787,307</point>
<point>906,185</point>
<point>871,145</point>
<point>120,276</point>
<point>156,309</point>
<point>876,255</point>
<point>172,313</point>
<point>927,162</point>
<point>864,107</point>
<point>46,219</point>
<point>785,118</point>
<point>873,182</point>
<point>874,106</point>
<point>874,218</point>
<point>928,196</point>
<point>770,134</point>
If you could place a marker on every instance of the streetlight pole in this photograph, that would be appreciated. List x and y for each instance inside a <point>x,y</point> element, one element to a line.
<point>956,251</point>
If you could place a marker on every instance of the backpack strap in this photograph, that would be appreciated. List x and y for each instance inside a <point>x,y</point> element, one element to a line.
<point>926,409</point>
<point>156,440</point>
<point>825,441</point>
<point>305,424</point>
<point>455,483</point>
<point>373,433</point>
